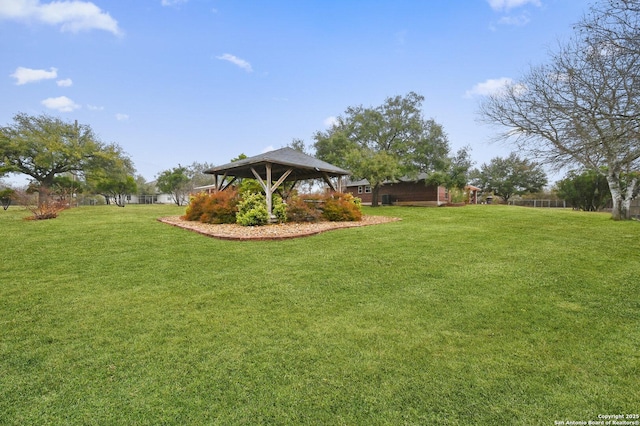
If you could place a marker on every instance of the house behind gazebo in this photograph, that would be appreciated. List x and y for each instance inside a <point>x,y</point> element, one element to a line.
<point>277,168</point>
<point>408,192</point>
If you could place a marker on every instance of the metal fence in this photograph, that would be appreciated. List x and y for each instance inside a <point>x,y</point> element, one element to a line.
<point>539,203</point>
<point>634,209</point>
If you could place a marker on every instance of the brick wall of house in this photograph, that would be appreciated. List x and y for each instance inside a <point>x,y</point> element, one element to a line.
<point>403,192</point>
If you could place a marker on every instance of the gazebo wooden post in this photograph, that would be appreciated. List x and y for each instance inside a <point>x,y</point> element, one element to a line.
<point>267,190</point>
<point>268,186</point>
<point>327,180</point>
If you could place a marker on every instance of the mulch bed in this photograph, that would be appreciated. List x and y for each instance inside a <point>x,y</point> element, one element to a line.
<point>270,232</point>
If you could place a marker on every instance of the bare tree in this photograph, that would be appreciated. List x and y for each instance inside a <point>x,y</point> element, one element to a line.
<point>614,22</point>
<point>583,106</point>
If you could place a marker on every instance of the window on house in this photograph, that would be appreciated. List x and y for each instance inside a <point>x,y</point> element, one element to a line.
<point>359,190</point>
<point>367,190</point>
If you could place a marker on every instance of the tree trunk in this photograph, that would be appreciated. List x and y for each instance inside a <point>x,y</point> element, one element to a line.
<point>621,199</point>
<point>44,194</point>
<point>375,190</point>
<point>628,198</point>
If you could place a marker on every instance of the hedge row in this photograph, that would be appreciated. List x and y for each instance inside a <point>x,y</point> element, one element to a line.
<point>249,209</point>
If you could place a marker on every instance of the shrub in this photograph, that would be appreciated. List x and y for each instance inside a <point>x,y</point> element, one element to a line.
<point>221,207</point>
<point>340,207</point>
<point>218,207</point>
<point>252,210</point>
<point>48,210</point>
<point>279,209</point>
<point>196,206</point>
<point>249,209</point>
<point>588,190</point>
<point>457,195</point>
<point>299,210</point>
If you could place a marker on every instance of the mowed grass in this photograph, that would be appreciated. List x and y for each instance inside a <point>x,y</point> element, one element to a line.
<point>476,315</point>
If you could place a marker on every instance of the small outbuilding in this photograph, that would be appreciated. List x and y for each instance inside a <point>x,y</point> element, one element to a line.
<point>472,193</point>
<point>274,168</point>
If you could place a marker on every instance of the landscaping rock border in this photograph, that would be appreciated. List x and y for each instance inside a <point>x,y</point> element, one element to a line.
<point>270,232</point>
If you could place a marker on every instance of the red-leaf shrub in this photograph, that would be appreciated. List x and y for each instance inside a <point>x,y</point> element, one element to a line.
<point>196,206</point>
<point>218,207</point>
<point>303,209</point>
<point>341,207</point>
<point>48,210</point>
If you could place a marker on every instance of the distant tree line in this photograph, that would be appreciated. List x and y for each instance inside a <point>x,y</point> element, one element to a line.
<point>579,111</point>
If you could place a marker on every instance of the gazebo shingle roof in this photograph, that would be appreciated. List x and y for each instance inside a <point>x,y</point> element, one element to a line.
<point>273,168</point>
<point>304,166</point>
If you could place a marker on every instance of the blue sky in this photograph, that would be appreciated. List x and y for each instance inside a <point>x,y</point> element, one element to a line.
<point>178,81</point>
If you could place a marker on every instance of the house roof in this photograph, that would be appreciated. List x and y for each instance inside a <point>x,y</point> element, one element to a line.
<point>421,176</point>
<point>303,166</point>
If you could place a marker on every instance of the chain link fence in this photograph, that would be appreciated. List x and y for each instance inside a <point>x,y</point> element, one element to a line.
<point>540,203</point>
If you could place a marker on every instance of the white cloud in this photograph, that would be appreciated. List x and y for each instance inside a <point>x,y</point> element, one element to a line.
<point>489,87</point>
<point>67,82</point>
<point>71,15</point>
<point>236,61</point>
<point>62,104</point>
<point>173,2</point>
<point>122,117</point>
<point>330,121</point>
<point>28,75</point>
<point>95,108</point>
<point>516,21</point>
<point>499,5</point>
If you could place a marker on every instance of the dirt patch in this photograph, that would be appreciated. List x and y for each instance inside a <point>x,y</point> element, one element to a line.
<point>270,232</point>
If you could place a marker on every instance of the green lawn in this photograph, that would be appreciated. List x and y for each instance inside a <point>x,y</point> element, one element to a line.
<point>487,315</point>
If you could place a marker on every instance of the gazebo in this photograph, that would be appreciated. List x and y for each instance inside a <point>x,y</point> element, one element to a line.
<point>273,168</point>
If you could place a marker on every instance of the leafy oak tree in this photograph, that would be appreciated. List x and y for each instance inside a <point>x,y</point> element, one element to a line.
<point>384,143</point>
<point>455,171</point>
<point>175,182</point>
<point>510,176</point>
<point>6,195</point>
<point>44,147</point>
<point>112,175</point>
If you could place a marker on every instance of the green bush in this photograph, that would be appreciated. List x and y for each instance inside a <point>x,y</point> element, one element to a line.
<point>279,209</point>
<point>252,210</point>
<point>341,207</point>
<point>587,190</point>
<point>218,207</point>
